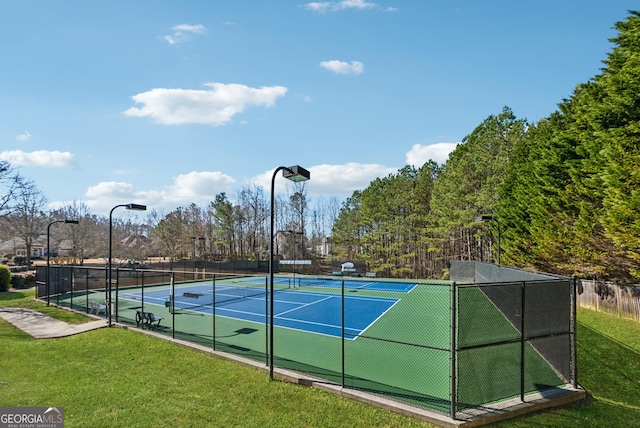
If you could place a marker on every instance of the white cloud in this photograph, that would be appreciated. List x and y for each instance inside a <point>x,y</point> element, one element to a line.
<point>334,6</point>
<point>182,33</point>
<point>199,186</point>
<point>215,106</point>
<point>186,28</point>
<point>318,6</point>
<point>193,187</point>
<point>438,152</point>
<point>24,137</point>
<point>331,179</point>
<point>111,190</point>
<point>342,67</point>
<point>40,158</point>
<point>354,4</point>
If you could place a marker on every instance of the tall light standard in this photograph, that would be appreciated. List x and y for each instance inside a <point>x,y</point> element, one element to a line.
<point>486,218</point>
<point>135,207</point>
<point>294,173</point>
<point>49,249</point>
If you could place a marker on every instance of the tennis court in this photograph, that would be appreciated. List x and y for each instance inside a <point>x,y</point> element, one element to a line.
<point>396,337</point>
<point>436,344</point>
<point>294,309</point>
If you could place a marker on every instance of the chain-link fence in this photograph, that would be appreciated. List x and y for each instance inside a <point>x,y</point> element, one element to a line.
<point>446,346</point>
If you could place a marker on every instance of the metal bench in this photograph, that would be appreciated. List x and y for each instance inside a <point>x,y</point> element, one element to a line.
<point>147,319</point>
<point>97,307</point>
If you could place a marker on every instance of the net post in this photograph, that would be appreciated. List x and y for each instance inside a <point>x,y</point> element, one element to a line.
<point>142,288</point>
<point>453,351</point>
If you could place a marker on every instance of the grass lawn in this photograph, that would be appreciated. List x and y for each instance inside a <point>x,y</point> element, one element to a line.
<point>116,377</point>
<point>608,368</point>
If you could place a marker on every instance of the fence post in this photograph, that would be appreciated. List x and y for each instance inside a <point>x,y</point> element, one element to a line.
<point>213,310</point>
<point>172,305</point>
<point>453,351</point>
<point>522,338</point>
<point>117,289</point>
<point>266,319</point>
<point>86,289</point>
<point>342,325</point>
<point>73,280</point>
<point>573,330</point>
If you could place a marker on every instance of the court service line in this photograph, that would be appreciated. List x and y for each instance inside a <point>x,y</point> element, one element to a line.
<point>303,306</point>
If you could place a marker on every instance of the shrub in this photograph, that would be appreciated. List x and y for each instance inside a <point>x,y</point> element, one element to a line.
<point>5,278</point>
<point>19,260</point>
<point>17,281</point>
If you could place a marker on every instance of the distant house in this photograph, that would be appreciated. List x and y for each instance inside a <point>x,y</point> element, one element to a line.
<point>17,247</point>
<point>65,248</point>
<point>136,241</point>
<point>325,247</point>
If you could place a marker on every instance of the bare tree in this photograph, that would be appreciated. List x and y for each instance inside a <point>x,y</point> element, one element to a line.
<point>26,215</point>
<point>9,184</point>
<point>81,234</point>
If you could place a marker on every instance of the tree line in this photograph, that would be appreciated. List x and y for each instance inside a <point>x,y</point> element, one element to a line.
<point>222,230</point>
<point>562,193</point>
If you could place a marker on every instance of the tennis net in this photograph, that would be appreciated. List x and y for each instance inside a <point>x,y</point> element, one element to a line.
<point>214,295</point>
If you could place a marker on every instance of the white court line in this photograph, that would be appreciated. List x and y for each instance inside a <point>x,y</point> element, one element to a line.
<point>303,306</point>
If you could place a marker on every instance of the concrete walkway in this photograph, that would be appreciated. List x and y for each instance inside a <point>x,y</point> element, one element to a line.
<point>42,326</point>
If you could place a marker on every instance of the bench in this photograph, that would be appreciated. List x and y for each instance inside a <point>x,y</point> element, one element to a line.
<point>148,319</point>
<point>370,275</point>
<point>97,307</point>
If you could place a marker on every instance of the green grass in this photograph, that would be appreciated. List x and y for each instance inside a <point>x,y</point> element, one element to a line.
<point>116,377</point>
<point>609,369</point>
<point>25,299</point>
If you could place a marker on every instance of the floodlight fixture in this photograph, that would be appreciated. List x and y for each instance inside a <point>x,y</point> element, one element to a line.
<point>296,173</point>
<point>136,207</point>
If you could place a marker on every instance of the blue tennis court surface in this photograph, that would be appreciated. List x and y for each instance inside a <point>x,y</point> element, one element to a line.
<point>314,312</point>
<point>349,284</point>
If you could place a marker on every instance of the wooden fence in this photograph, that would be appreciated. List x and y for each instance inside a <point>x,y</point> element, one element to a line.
<point>620,300</point>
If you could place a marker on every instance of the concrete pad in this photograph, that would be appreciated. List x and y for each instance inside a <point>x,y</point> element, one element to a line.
<point>41,326</point>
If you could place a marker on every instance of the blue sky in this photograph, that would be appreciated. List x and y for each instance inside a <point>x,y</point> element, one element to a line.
<point>166,103</point>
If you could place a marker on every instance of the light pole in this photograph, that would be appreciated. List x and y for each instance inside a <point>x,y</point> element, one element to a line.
<point>49,249</point>
<point>486,218</point>
<point>294,173</point>
<point>134,207</point>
